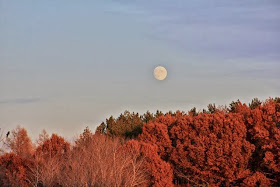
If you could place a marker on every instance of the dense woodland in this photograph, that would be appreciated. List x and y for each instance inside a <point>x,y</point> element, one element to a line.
<point>237,145</point>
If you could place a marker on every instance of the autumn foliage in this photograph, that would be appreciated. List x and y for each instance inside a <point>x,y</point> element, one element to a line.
<point>237,145</point>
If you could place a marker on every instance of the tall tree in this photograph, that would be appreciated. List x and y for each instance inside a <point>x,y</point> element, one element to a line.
<point>54,146</point>
<point>19,142</point>
<point>255,103</point>
<point>85,138</point>
<point>43,136</point>
<point>127,125</point>
<point>148,116</point>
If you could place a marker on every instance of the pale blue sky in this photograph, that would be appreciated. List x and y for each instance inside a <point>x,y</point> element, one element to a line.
<point>68,64</point>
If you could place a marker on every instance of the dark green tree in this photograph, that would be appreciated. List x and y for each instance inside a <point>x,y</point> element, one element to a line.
<point>277,99</point>
<point>233,106</point>
<point>85,138</point>
<point>211,108</point>
<point>193,112</point>
<point>158,113</point>
<point>148,116</point>
<point>101,129</point>
<point>255,103</point>
<point>127,125</point>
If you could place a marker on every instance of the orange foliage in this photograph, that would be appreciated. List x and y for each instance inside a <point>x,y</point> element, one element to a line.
<point>263,124</point>
<point>159,171</point>
<point>208,148</point>
<point>13,170</point>
<point>20,143</point>
<point>218,147</point>
<point>54,146</point>
<point>236,146</point>
<point>257,179</point>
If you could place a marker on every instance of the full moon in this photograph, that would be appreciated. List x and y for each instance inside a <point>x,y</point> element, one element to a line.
<point>160,73</point>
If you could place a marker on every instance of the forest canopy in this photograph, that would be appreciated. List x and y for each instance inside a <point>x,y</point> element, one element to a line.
<point>237,145</point>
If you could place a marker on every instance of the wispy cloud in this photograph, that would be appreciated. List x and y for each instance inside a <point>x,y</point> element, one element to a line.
<point>21,100</point>
<point>224,29</point>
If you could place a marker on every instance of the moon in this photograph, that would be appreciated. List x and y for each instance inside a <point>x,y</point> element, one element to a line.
<point>160,73</point>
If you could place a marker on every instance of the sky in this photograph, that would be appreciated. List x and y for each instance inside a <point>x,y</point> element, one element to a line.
<point>67,64</point>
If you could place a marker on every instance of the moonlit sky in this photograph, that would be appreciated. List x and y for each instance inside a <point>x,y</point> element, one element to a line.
<point>65,65</point>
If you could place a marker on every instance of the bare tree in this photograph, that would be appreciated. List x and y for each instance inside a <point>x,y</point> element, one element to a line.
<point>103,163</point>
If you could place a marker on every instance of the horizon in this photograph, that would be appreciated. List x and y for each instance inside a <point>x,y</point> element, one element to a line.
<point>67,65</point>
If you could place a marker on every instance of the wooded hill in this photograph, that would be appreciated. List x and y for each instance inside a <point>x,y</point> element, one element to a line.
<point>237,145</point>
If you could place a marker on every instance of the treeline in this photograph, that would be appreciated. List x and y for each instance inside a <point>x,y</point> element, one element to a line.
<point>237,145</point>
